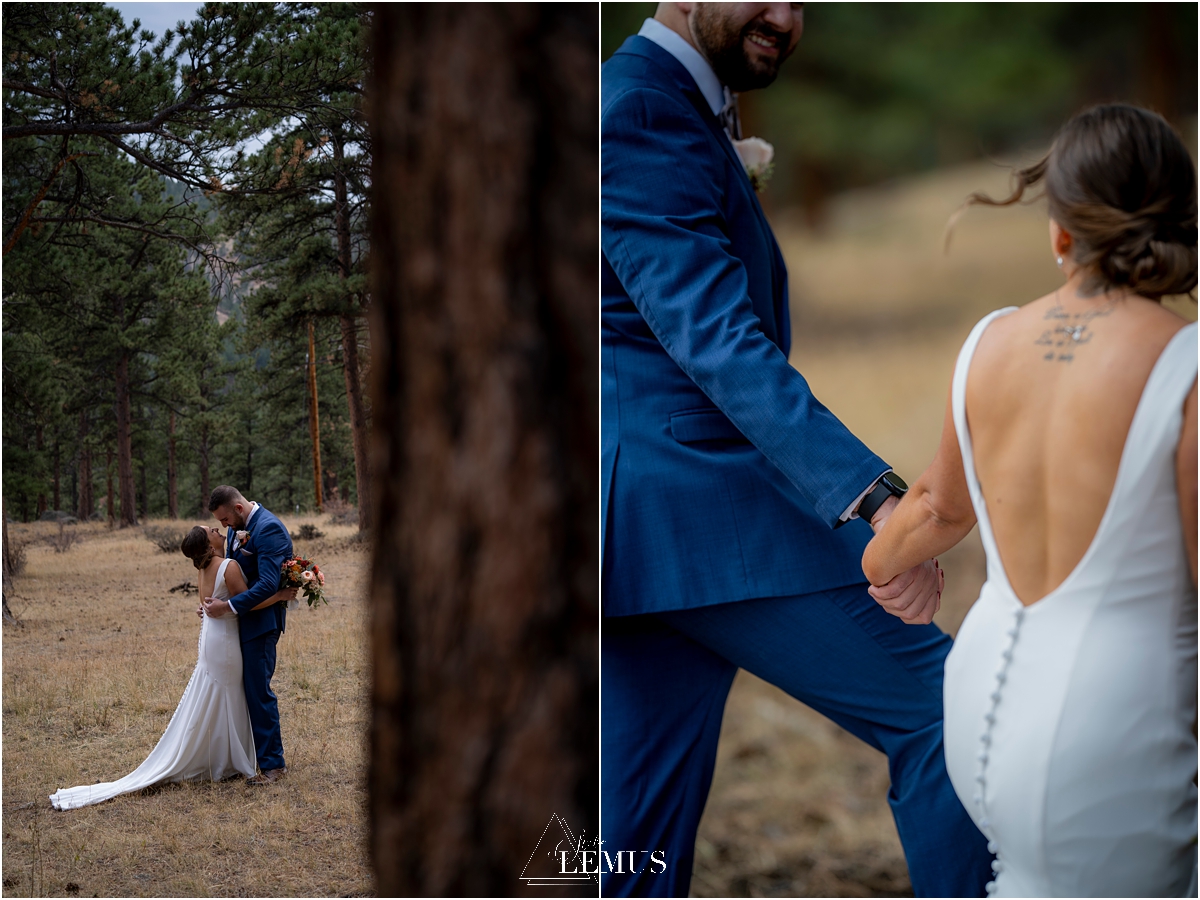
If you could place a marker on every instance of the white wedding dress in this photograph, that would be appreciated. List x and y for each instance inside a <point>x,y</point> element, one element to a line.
<point>1068,728</point>
<point>209,734</point>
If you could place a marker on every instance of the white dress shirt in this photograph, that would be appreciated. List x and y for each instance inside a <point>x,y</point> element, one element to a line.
<point>691,59</point>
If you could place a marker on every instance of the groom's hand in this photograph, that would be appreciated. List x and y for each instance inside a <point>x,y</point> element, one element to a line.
<point>914,596</point>
<point>215,608</point>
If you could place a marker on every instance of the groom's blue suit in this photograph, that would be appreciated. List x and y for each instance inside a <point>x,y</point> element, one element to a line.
<point>723,483</point>
<point>261,558</point>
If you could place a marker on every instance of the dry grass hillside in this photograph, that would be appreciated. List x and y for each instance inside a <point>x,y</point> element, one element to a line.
<point>798,806</point>
<point>91,676</point>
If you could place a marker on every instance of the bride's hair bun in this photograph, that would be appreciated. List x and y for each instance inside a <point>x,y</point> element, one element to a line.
<point>1120,181</point>
<point>196,547</point>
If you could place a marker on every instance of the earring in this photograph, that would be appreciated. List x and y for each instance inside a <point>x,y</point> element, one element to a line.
<point>1058,259</point>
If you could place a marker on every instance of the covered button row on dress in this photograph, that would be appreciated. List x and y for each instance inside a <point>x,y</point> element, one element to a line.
<point>985,743</point>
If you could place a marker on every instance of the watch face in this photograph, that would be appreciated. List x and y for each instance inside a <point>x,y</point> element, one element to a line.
<point>895,481</point>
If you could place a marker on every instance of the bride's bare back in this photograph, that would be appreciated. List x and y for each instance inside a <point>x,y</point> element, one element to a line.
<point>1053,387</point>
<point>1051,394</point>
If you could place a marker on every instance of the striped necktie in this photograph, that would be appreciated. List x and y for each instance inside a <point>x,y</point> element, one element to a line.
<point>728,116</point>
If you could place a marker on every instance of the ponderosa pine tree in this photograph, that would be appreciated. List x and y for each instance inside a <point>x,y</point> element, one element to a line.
<point>484,584</point>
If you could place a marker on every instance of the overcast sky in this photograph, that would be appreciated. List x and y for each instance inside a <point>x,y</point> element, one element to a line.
<point>158,17</point>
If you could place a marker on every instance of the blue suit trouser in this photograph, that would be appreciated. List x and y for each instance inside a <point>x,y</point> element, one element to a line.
<point>664,682</point>
<point>258,667</point>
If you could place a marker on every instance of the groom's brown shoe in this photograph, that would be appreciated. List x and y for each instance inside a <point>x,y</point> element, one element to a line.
<point>262,779</point>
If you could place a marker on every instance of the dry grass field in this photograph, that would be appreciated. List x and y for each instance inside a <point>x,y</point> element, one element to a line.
<point>798,806</point>
<point>91,676</point>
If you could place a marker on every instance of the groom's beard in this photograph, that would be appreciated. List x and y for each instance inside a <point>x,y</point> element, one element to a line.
<point>725,47</point>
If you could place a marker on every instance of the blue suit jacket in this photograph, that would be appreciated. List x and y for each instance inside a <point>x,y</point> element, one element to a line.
<point>261,559</point>
<point>722,476</point>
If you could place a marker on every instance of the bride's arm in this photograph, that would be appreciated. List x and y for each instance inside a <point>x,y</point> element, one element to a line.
<point>237,584</point>
<point>280,596</point>
<point>933,516</point>
<point>1185,478</point>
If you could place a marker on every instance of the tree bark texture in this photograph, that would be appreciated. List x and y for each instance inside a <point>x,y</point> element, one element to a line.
<point>485,328</point>
<point>314,420</point>
<point>143,491</point>
<point>87,501</point>
<point>202,461</point>
<point>57,474</point>
<point>125,444</point>
<point>40,443</point>
<point>359,427</point>
<point>8,567</point>
<point>172,472</point>
<point>110,501</point>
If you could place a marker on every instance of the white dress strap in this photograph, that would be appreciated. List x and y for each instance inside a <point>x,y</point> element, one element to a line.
<point>1154,432</point>
<point>958,404</point>
<point>220,580</point>
<point>1159,415</point>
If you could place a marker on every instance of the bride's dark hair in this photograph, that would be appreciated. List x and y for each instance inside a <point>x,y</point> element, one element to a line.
<point>1120,181</point>
<point>196,547</point>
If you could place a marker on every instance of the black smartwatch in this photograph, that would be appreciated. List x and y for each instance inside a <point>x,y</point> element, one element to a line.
<point>889,485</point>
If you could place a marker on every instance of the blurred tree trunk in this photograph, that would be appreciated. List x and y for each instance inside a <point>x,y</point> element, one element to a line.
<point>143,491</point>
<point>1161,72</point>
<point>8,567</point>
<point>314,420</point>
<point>57,474</point>
<point>202,459</point>
<point>110,502</point>
<point>125,444</point>
<point>485,327</point>
<point>40,444</point>
<point>172,474</point>
<point>87,502</point>
<point>359,427</point>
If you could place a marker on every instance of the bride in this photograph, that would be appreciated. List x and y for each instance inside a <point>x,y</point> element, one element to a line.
<point>1070,436</point>
<point>209,734</point>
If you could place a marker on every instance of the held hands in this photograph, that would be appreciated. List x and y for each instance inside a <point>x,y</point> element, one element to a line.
<point>215,607</point>
<point>913,596</point>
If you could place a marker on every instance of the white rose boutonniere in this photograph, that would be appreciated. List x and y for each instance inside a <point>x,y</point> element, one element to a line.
<point>757,158</point>
<point>242,537</point>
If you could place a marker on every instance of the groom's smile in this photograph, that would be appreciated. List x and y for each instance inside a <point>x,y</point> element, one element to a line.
<point>744,42</point>
<point>761,40</point>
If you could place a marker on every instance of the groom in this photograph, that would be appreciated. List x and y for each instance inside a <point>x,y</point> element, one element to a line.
<point>260,544</point>
<point>735,505</point>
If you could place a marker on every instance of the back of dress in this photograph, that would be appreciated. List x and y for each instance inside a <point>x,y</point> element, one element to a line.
<point>1069,722</point>
<point>220,648</point>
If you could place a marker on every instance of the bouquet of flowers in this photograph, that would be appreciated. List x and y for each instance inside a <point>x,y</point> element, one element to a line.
<point>304,574</point>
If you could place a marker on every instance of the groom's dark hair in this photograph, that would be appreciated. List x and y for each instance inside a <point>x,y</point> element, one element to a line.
<point>224,495</point>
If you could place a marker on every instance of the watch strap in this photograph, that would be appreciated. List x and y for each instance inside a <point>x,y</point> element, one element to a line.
<point>874,499</point>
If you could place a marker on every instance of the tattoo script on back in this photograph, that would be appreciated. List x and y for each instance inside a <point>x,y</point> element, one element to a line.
<point>1069,331</point>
